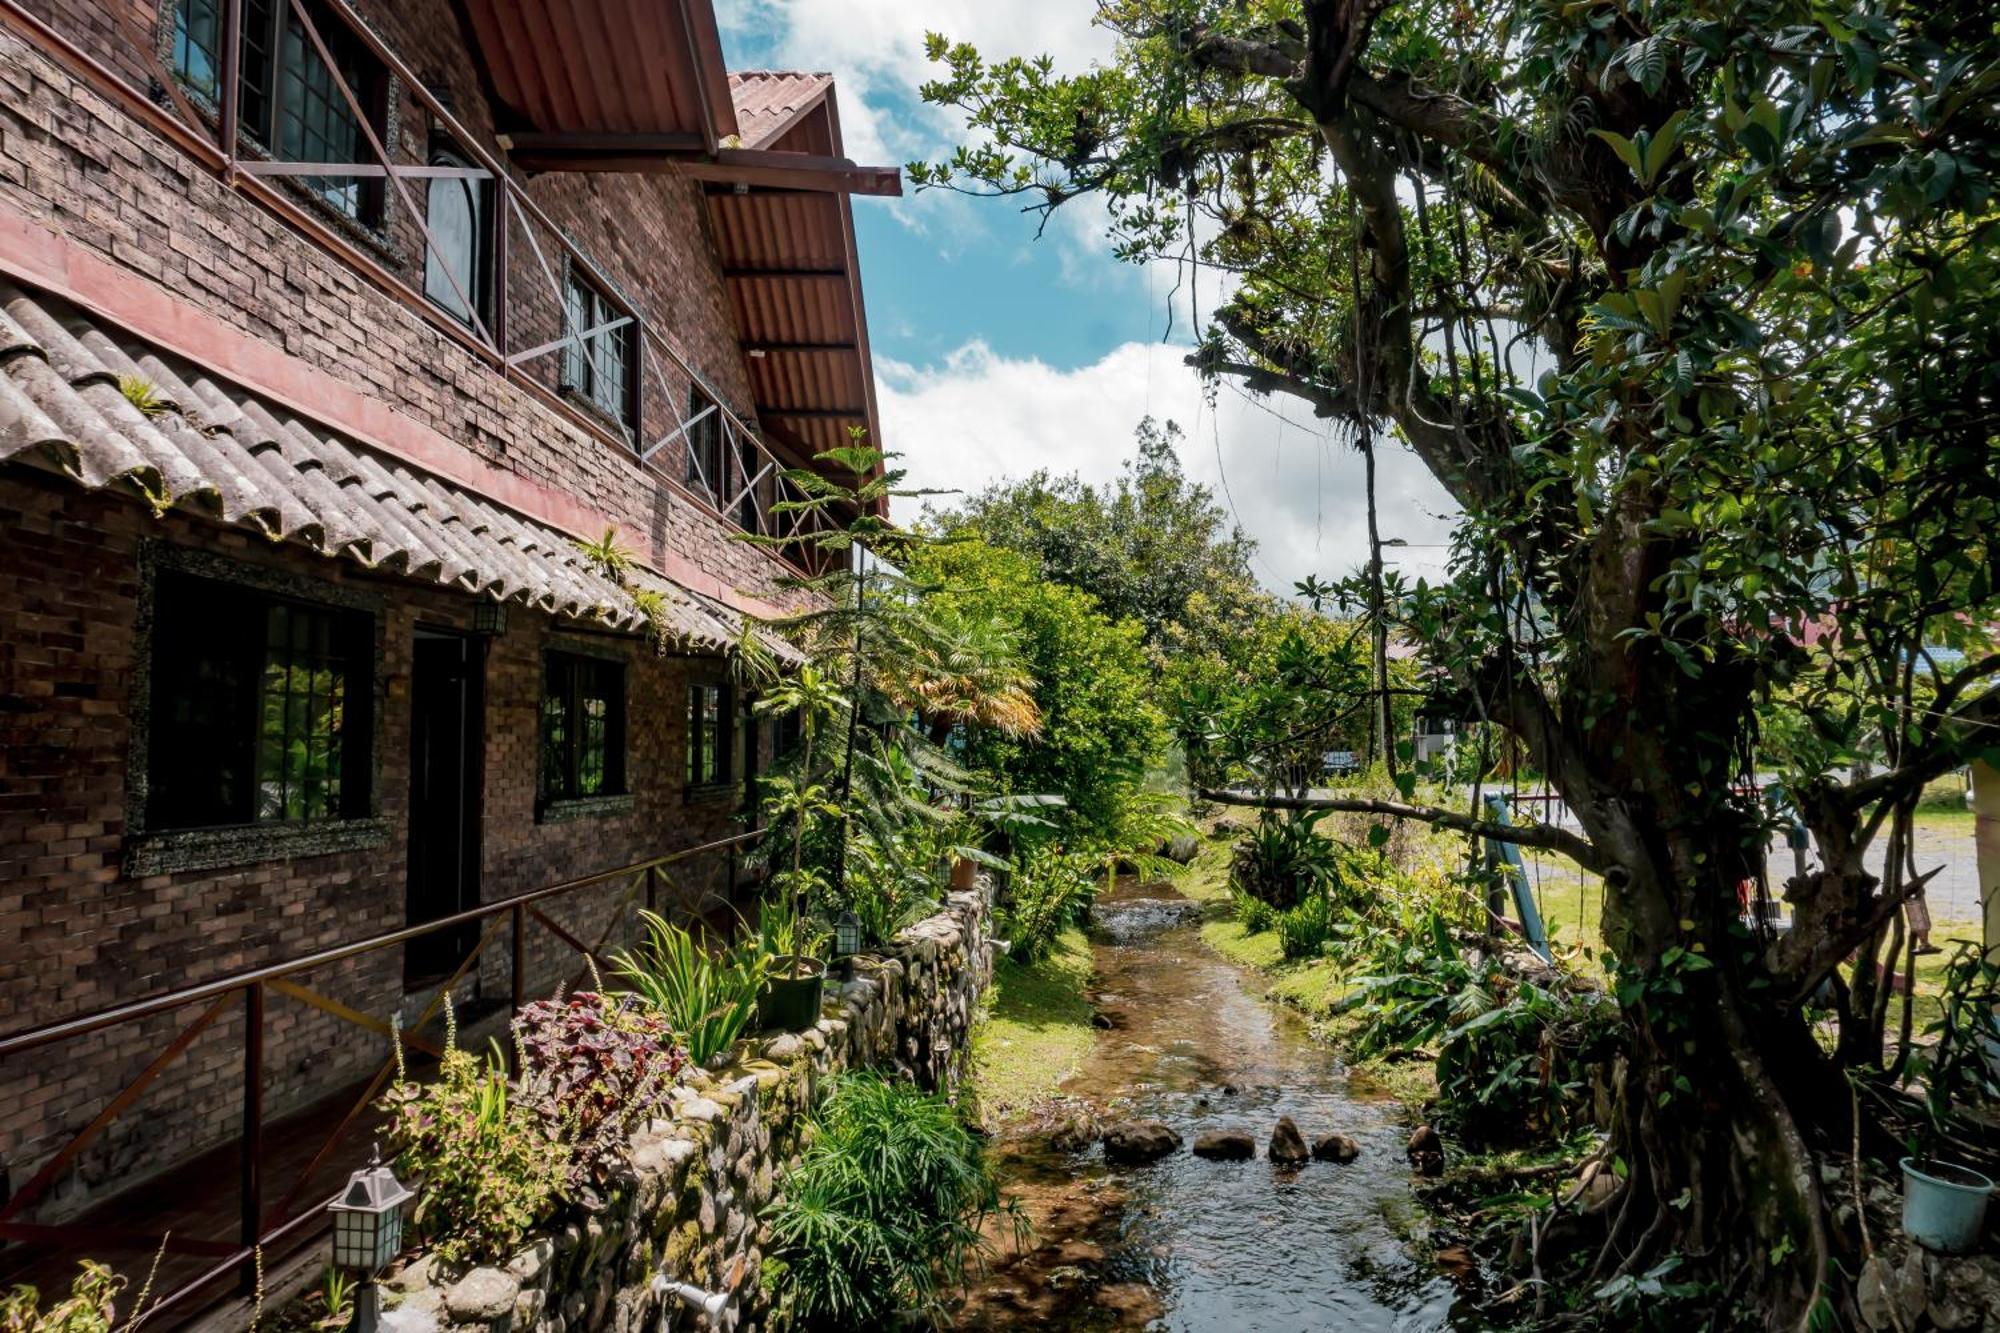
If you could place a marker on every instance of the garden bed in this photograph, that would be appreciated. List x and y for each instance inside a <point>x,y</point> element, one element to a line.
<point>682,1202</point>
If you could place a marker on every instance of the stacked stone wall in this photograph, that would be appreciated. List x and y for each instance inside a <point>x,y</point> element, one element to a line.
<point>688,1204</point>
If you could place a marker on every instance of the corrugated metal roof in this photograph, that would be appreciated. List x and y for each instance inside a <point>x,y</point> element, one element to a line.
<point>606,66</point>
<point>793,278</point>
<point>204,444</point>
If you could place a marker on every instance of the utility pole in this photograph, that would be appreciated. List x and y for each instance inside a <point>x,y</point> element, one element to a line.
<point>1380,724</point>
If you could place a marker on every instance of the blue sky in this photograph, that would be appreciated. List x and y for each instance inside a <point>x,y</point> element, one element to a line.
<point>997,353</point>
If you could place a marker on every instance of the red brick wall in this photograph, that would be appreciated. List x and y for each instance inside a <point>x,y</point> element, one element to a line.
<point>80,935</point>
<point>76,932</point>
<point>82,167</point>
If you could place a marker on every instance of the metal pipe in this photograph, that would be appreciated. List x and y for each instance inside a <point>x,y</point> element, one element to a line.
<point>252,1147</point>
<point>231,92</point>
<point>709,1303</point>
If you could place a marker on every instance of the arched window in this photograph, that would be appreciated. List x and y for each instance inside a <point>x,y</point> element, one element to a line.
<point>456,213</point>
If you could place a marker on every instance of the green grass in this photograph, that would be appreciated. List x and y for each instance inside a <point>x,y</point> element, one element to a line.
<point>1036,1030</point>
<point>1942,807</point>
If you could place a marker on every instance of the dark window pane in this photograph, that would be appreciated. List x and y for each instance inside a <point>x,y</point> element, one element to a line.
<point>455,212</point>
<point>259,65</point>
<point>315,121</point>
<point>259,708</point>
<point>748,517</point>
<point>787,734</point>
<point>704,440</point>
<point>600,364</point>
<point>577,304</point>
<point>709,734</point>
<point>555,730</point>
<point>583,728</point>
<point>198,44</point>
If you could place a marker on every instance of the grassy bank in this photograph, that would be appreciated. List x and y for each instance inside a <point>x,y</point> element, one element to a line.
<point>1036,1029</point>
<point>1313,987</point>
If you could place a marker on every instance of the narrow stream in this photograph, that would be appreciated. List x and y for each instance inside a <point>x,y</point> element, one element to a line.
<point>1185,1243</point>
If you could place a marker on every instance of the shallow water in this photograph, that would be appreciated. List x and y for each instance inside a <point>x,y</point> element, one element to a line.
<point>1191,1244</point>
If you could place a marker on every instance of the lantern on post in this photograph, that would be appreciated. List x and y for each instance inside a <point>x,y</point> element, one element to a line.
<point>368,1232</point>
<point>846,939</point>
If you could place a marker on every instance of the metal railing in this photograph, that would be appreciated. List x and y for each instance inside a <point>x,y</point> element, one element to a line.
<point>749,475</point>
<point>264,1226</point>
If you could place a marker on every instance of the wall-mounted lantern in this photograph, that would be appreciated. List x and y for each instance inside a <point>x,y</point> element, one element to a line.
<point>489,617</point>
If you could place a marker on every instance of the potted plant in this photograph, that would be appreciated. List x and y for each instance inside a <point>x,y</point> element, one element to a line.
<point>1944,1201</point>
<point>794,979</point>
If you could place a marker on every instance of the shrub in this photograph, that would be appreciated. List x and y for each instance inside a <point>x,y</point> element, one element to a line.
<point>1051,891</point>
<point>1513,1055</point>
<point>88,1308</point>
<point>1254,914</point>
<point>489,1168</point>
<point>593,1067</point>
<point>1304,930</point>
<point>707,998</point>
<point>882,1214</point>
<point>1284,860</point>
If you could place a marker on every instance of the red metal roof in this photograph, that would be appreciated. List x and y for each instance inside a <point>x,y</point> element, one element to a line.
<point>606,67</point>
<point>626,85</point>
<point>793,275</point>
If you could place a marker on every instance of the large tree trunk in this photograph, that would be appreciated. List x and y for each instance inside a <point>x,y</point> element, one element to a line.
<point>1723,1093</point>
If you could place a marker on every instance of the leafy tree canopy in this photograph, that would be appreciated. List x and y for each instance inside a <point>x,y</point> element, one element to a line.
<point>1100,726</point>
<point>1153,546</point>
<point>1693,307</point>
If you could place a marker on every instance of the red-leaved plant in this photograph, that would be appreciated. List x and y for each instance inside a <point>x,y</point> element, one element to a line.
<point>594,1067</point>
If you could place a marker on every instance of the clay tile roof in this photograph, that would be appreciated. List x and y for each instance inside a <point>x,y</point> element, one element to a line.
<point>768,102</point>
<point>205,445</point>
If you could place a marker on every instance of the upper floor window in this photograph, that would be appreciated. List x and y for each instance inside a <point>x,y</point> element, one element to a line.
<point>709,735</point>
<point>601,360</point>
<point>261,708</point>
<point>583,727</point>
<point>748,516</point>
<point>288,99</point>
<point>704,441</point>
<point>458,213</point>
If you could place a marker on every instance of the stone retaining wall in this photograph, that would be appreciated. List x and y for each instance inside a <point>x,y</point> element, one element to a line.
<point>687,1206</point>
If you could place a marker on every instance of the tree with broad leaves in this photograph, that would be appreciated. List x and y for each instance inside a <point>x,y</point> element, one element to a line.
<point>1692,305</point>
<point>1153,546</point>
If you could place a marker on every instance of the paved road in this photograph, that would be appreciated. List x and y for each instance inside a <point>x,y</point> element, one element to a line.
<point>1953,896</point>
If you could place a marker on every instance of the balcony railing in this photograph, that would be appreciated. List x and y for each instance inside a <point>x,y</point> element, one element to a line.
<point>748,474</point>
<point>196,1269</point>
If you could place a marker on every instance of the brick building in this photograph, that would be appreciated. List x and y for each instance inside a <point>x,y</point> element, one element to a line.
<point>298,648</point>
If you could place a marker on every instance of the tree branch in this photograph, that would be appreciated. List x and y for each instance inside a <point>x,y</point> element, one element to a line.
<point>1545,836</point>
<point>1284,370</point>
<point>1938,758</point>
<point>1277,59</point>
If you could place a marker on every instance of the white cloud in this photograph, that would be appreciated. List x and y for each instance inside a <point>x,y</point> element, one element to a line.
<point>976,417</point>
<point>875,51</point>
